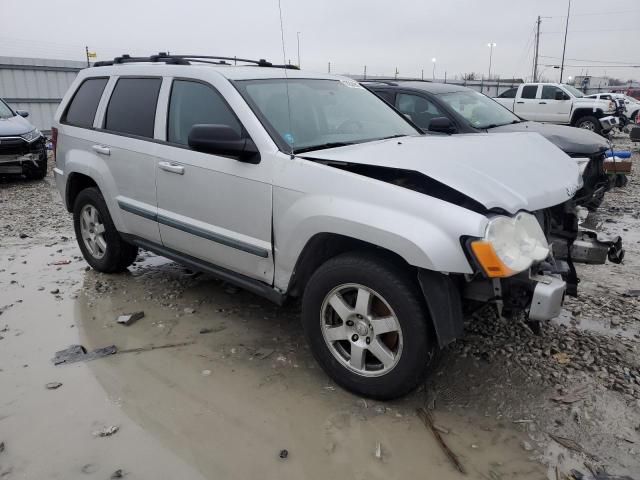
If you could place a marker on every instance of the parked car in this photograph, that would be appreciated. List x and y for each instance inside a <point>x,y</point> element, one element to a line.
<point>294,184</point>
<point>22,146</point>
<point>630,105</point>
<point>454,109</point>
<point>561,104</point>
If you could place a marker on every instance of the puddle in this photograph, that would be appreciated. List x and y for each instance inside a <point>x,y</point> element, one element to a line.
<point>601,326</point>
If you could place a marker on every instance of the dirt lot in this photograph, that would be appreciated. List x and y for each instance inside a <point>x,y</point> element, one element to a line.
<point>241,385</point>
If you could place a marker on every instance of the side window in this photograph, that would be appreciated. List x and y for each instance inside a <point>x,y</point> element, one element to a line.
<point>83,105</point>
<point>418,108</point>
<point>132,107</point>
<point>385,95</point>
<point>549,92</point>
<point>511,93</point>
<point>529,91</point>
<point>606,97</point>
<point>194,103</point>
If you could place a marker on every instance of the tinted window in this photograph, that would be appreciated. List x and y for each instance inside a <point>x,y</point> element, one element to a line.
<point>549,92</point>
<point>418,108</point>
<point>511,93</point>
<point>84,104</point>
<point>529,91</point>
<point>193,103</point>
<point>132,107</point>
<point>386,96</point>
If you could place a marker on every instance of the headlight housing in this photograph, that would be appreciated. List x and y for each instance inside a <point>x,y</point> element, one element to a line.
<point>32,135</point>
<point>510,245</point>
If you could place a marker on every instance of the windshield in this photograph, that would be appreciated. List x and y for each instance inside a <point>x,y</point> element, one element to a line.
<point>321,113</point>
<point>479,110</point>
<point>573,90</point>
<point>5,111</point>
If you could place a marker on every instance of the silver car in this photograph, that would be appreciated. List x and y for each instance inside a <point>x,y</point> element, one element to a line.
<point>301,185</point>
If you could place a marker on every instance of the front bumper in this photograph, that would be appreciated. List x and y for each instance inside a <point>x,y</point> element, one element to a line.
<point>17,155</point>
<point>547,299</point>
<point>18,163</point>
<point>609,122</point>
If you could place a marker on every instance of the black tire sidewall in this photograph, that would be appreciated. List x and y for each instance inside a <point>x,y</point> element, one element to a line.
<point>111,261</point>
<point>593,120</point>
<point>403,297</point>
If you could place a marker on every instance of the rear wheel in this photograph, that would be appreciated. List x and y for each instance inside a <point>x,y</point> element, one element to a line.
<point>589,122</point>
<point>367,326</point>
<point>99,241</point>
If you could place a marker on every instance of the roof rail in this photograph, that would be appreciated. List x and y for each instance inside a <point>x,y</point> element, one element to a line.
<point>385,82</point>
<point>164,57</point>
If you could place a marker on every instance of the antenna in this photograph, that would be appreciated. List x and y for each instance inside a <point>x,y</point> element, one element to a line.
<point>286,78</point>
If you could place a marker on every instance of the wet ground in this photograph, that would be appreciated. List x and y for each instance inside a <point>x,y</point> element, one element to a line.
<point>236,385</point>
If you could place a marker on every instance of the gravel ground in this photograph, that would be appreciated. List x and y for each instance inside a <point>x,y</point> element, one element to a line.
<point>572,394</point>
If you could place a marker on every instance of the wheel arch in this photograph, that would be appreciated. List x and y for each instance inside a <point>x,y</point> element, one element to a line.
<point>585,112</point>
<point>75,184</point>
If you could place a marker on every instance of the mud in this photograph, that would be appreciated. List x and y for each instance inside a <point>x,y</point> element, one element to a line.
<point>229,400</point>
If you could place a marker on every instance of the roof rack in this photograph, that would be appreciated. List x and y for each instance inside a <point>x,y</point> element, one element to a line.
<point>164,57</point>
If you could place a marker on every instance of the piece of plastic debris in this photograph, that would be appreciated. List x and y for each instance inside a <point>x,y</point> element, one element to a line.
<point>77,353</point>
<point>284,453</point>
<point>561,357</point>
<point>61,262</point>
<point>205,330</point>
<point>206,373</point>
<point>378,450</point>
<point>53,385</point>
<point>189,311</point>
<point>106,431</point>
<point>128,318</point>
<point>117,474</point>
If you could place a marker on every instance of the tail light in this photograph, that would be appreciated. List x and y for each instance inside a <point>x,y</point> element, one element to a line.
<point>54,141</point>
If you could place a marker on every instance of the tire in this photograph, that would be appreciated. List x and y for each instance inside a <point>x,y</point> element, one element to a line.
<point>395,291</point>
<point>589,122</point>
<point>117,254</point>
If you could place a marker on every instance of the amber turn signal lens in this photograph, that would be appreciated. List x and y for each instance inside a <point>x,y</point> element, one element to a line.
<point>489,260</point>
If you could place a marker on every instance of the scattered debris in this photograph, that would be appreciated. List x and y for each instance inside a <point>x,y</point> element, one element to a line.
<point>263,353</point>
<point>1,447</point>
<point>189,311</point>
<point>205,330</point>
<point>527,447</point>
<point>378,452</point>
<point>426,418</point>
<point>61,262</point>
<point>155,347</point>
<point>128,318</point>
<point>77,353</point>
<point>284,453</point>
<point>206,373</point>
<point>55,291</point>
<point>53,385</point>
<point>561,357</point>
<point>117,474</point>
<point>106,431</point>
<point>632,293</point>
<point>441,429</point>
<point>571,445</point>
<point>23,235</point>
<point>573,396</point>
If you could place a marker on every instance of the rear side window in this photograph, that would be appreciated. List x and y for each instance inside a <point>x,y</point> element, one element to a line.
<point>388,97</point>
<point>194,103</point>
<point>84,104</point>
<point>529,91</point>
<point>511,93</point>
<point>132,107</point>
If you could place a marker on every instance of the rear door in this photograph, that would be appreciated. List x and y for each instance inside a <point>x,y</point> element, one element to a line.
<point>212,207</point>
<point>527,104</point>
<point>552,109</point>
<point>126,144</point>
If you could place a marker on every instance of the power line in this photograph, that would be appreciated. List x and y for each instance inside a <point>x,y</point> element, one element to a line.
<point>635,29</point>
<point>589,60</point>
<point>598,13</point>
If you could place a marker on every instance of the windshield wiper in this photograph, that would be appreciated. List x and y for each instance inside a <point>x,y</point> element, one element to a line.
<point>392,136</point>
<point>322,146</point>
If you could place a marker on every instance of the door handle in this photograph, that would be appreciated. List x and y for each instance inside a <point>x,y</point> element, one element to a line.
<point>102,150</point>
<point>171,167</point>
<point>519,102</point>
<point>542,103</point>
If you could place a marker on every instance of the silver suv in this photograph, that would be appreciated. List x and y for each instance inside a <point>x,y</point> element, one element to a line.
<point>301,185</point>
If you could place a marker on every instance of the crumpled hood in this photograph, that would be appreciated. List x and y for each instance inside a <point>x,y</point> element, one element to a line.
<point>568,139</point>
<point>14,126</point>
<point>512,171</point>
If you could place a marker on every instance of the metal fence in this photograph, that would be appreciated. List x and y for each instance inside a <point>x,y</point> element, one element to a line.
<point>36,85</point>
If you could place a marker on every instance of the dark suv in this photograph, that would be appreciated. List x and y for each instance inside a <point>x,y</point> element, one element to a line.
<point>447,108</point>
<point>22,146</point>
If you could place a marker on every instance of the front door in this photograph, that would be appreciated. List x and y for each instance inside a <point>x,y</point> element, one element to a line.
<point>554,104</point>
<point>212,207</point>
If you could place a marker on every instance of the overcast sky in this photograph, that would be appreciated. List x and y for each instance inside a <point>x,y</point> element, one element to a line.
<point>383,35</point>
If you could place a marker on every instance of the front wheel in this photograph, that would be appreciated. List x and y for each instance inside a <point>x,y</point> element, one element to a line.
<point>102,246</point>
<point>367,326</point>
<point>589,123</point>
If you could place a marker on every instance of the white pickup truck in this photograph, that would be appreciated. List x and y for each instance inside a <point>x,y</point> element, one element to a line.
<point>561,104</point>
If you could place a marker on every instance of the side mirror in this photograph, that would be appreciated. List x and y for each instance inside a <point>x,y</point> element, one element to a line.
<point>561,95</point>
<point>442,125</point>
<point>223,140</point>
<point>22,113</point>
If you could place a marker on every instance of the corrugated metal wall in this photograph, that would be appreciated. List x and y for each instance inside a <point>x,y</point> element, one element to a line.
<point>36,85</point>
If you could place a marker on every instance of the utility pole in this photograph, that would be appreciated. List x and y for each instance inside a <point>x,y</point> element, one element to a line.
<point>365,72</point>
<point>396,74</point>
<point>535,55</point>
<point>490,45</point>
<point>298,34</point>
<point>329,68</point>
<point>564,47</point>
<point>86,50</point>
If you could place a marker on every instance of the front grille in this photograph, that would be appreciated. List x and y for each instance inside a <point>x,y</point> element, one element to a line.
<point>19,146</point>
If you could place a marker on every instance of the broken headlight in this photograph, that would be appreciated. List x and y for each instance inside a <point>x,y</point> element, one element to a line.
<point>32,135</point>
<point>510,245</point>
